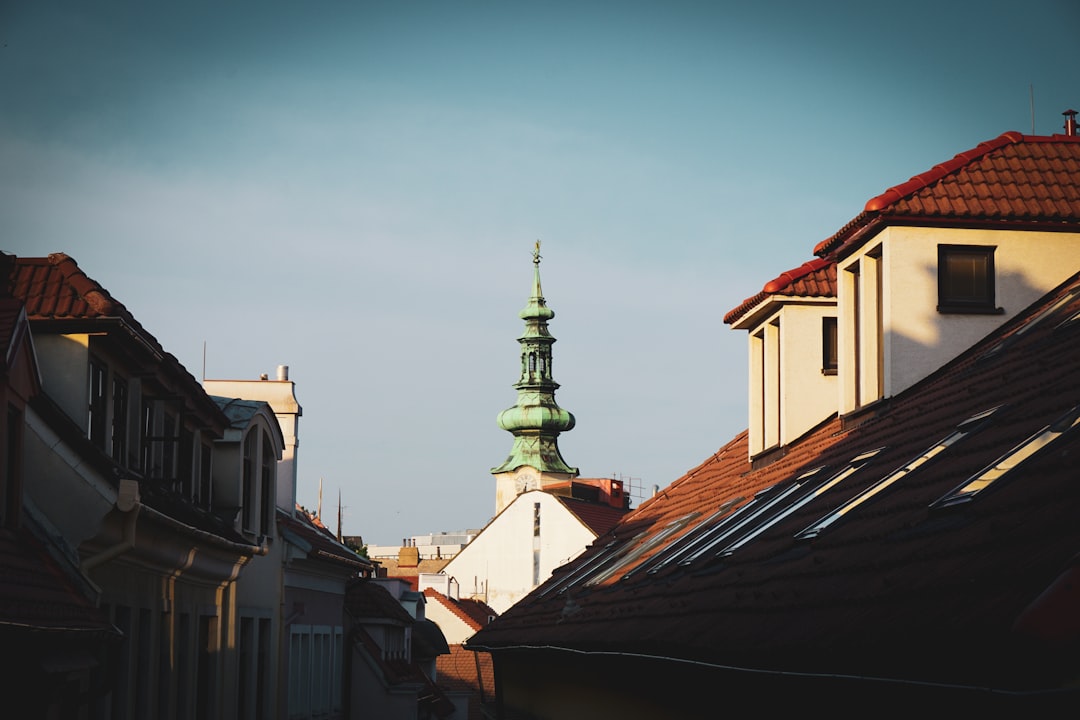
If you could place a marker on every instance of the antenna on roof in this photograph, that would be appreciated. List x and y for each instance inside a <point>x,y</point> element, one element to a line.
<point>204,361</point>
<point>1031,100</point>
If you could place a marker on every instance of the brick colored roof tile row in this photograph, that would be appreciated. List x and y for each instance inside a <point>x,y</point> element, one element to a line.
<point>473,613</point>
<point>1012,180</point>
<point>814,278</point>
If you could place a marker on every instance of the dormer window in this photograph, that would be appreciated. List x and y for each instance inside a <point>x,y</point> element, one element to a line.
<point>966,279</point>
<point>829,359</point>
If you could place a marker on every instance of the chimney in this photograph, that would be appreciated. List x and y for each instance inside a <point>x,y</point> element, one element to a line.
<point>1070,122</point>
<point>282,372</point>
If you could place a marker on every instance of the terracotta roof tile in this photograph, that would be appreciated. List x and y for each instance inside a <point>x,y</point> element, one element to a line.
<point>598,517</point>
<point>1014,179</point>
<point>894,578</point>
<point>473,613</point>
<point>814,278</point>
<point>464,670</point>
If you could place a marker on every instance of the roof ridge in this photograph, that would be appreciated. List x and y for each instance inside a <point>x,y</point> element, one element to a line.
<point>927,178</point>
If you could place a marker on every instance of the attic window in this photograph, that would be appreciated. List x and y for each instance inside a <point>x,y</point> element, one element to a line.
<point>971,425</point>
<point>829,361</point>
<point>1011,460</point>
<point>966,279</point>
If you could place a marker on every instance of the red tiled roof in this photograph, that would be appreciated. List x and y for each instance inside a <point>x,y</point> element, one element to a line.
<point>59,296</point>
<point>598,517</point>
<point>895,588</point>
<point>1012,180</point>
<point>814,278</point>
<point>473,613</point>
<point>465,670</point>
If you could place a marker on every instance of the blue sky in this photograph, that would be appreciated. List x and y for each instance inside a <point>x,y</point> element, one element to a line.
<point>353,189</point>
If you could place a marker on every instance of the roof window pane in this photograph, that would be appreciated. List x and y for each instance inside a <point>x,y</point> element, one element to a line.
<point>1011,460</point>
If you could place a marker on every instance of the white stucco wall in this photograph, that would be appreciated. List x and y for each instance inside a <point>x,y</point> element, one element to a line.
<point>917,339</point>
<point>501,557</point>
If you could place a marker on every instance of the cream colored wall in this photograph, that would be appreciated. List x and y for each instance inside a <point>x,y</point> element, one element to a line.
<point>502,554</point>
<point>805,396</point>
<point>454,629</point>
<point>808,396</point>
<point>917,338</point>
<point>281,396</point>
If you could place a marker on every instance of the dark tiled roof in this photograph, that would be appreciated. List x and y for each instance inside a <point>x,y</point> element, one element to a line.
<point>473,613</point>
<point>464,670</point>
<point>1012,180</point>
<point>892,580</point>
<point>323,544</point>
<point>598,517</point>
<point>814,278</point>
<point>35,594</point>
<point>365,599</point>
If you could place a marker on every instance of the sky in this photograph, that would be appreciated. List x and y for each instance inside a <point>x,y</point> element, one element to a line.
<point>353,188</point>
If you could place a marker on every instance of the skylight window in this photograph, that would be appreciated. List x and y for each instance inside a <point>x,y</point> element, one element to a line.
<point>1035,321</point>
<point>1011,460</point>
<point>641,548</point>
<point>676,549</point>
<point>969,426</point>
<point>815,492</point>
<point>746,515</point>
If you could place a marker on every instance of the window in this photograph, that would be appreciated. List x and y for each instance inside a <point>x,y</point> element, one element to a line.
<point>266,485</point>
<point>829,359</point>
<point>98,404</point>
<point>119,420</point>
<point>247,499</point>
<point>966,279</point>
<point>972,425</point>
<point>1011,460</point>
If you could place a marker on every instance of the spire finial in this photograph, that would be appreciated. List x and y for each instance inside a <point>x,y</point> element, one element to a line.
<point>536,253</point>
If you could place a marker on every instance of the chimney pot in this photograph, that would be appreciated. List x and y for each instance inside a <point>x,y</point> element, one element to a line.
<point>1070,122</point>
<point>282,372</point>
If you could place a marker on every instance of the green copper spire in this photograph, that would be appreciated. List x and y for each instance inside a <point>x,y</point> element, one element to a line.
<point>535,420</point>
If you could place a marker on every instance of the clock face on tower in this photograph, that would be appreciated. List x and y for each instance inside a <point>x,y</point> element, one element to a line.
<point>525,482</point>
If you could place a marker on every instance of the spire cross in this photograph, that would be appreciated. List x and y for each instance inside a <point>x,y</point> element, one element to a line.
<point>536,253</point>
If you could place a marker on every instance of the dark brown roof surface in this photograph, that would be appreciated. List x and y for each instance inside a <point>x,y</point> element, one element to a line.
<point>890,581</point>
<point>464,670</point>
<point>35,594</point>
<point>365,599</point>
<point>323,544</point>
<point>1014,179</point>
<point>814,278</point>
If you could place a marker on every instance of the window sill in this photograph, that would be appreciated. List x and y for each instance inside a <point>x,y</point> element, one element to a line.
<point>828,371</point>
<point>969,310</point>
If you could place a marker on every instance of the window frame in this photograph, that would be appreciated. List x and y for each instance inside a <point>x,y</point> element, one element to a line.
<point>949,302</point>
<point>830,344</point>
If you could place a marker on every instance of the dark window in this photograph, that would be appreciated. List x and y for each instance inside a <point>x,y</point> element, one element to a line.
<point>966,278</point>
<point>247,490</point>
<point>828,346</point>
<point>98,404</point>
<point>266,478</point>
<point>205,479</point>
<point>119,420</point>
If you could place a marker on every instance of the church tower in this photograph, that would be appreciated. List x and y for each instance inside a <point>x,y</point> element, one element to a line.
<point>535,420</point>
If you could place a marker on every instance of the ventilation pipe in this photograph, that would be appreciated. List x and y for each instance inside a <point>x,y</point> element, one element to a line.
<point>127,502</point>
<point>1070,122</point>
<point>282,373</point>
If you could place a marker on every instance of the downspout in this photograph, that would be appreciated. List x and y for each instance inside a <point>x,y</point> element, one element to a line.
<point>127,502</point>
